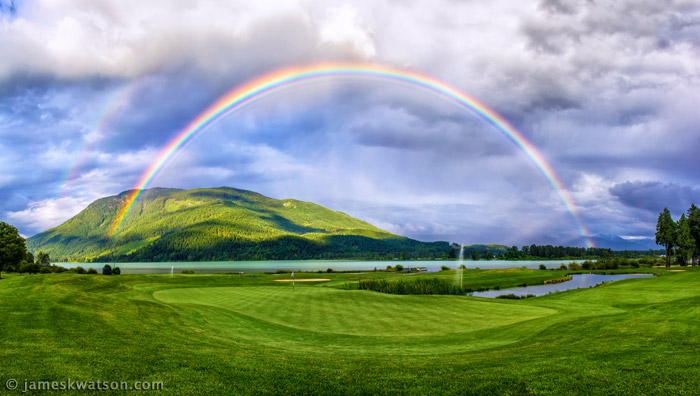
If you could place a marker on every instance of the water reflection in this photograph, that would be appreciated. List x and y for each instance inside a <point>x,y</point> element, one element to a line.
<point>577,281</point>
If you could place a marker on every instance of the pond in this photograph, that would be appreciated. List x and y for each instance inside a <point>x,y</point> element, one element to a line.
<point>578,281</point>
<point>210,267</point>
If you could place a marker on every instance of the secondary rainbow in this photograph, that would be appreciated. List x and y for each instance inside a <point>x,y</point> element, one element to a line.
<point>113,108</point>
<point>290,77</point>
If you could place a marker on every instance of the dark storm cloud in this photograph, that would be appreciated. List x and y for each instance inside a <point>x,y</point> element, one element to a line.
<point>558,6</point>
<point>466,137</point>
<point>654,196</point>
<point>636,25</point>
<point>21,96</point>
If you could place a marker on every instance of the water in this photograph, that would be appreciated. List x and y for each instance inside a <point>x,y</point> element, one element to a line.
<point>210,267</point>
<point>577,282</point>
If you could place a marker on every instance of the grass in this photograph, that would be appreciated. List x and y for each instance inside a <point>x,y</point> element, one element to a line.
<point>246,334</point>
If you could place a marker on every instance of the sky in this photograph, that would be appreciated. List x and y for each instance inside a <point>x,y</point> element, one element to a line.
<point>608,92</point>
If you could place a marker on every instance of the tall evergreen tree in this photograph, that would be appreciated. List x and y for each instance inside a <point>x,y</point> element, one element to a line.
<point>666,233</point>
<point>694,224</point>
<point>684,241</point>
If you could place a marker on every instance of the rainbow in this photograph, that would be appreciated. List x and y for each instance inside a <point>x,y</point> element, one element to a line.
<point>113,107</point>
<point>283,79</point>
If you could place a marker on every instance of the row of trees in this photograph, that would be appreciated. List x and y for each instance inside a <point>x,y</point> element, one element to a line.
<point>537,252</point>
<point>14,256</point>
<point>680,238</point>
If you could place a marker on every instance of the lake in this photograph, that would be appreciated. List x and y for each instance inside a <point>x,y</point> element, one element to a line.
<point>211,267</point>
<point>578,281</point>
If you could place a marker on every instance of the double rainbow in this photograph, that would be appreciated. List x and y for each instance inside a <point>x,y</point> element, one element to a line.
<point>114,107</point>
<point>286,78</point>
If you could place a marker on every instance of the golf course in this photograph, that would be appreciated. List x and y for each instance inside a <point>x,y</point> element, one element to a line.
<point>249,334</point>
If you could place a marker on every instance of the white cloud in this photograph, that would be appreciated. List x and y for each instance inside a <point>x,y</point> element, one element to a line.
<point>47,213</point>
<point>343,25</point>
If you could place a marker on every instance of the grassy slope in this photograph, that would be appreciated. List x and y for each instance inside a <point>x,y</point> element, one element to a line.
<point>190,220</point>
<point>249,334</point>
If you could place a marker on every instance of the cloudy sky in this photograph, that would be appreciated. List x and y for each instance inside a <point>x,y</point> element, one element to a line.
<point>608,91</point>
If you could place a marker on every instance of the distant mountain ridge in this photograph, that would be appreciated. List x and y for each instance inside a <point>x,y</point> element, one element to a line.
<point>616,242</point>
<point>220,224</point>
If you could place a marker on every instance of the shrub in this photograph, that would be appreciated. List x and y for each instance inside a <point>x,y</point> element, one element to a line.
<point>187,272</point>
<point>398,267</point>
<point>58,269</point>
<point>647,261</point>
<point>563,267</point>
<point>418,286</point>
<point>79,270</point>
<point>444,268</point>
<point>543,267</point>
<point>107,270</point>
<point>116,271</point>
<point>92,271</point>
<point>557,280</point>
<point>329,270</point>
<point>45,270</point>
<point>512,296</point>
<point>21,267</point>
<point>30,268</point>
<point>574,267</point>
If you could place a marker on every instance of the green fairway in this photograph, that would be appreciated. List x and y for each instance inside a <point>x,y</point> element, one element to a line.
<point>233,334</point>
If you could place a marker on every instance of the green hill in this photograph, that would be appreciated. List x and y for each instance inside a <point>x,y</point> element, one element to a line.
<point>220,224</point>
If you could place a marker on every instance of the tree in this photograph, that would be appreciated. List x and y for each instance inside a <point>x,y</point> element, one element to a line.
<point>684,241</point>
<point>107,270</point>
<point>118,271</point>
<point>666,233</point>
<point>694,224</point>
<point>43,259</point>
<point>12,247</point>
<point>30,257</point>
<point>452,254</point>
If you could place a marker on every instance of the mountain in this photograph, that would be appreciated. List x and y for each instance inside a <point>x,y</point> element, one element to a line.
<point>220,224</point>
<point>616,242</point>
